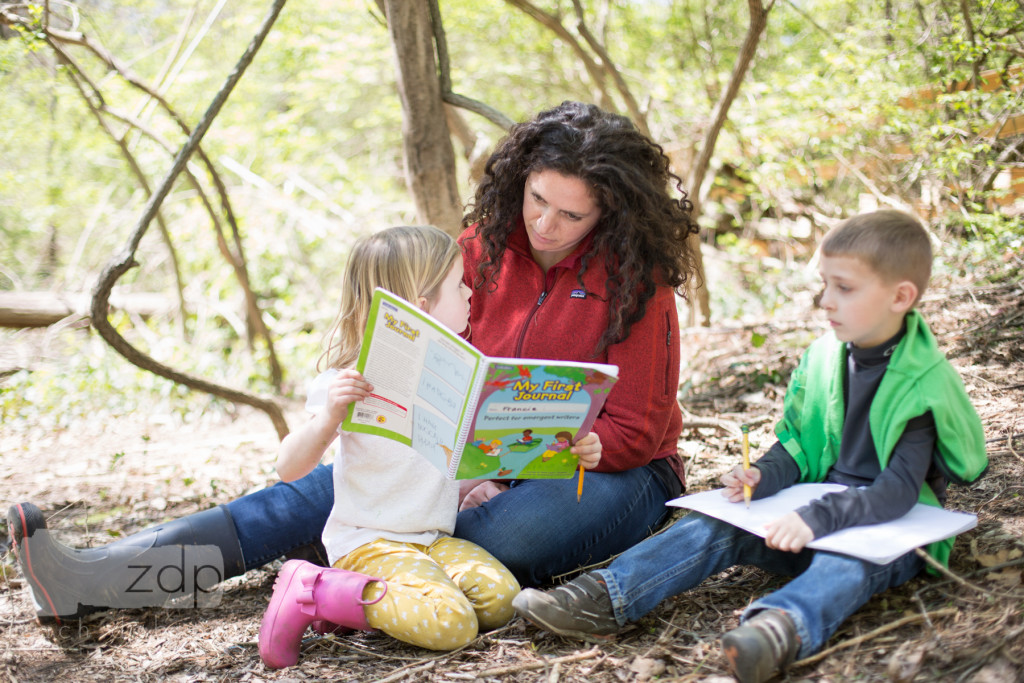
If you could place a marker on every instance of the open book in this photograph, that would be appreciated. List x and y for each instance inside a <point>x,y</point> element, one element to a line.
<point>472,416</point>
<point>877,543</point>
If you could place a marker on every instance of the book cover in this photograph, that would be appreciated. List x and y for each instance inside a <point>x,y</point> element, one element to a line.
<point>877,543</point>
<point>472,416</point>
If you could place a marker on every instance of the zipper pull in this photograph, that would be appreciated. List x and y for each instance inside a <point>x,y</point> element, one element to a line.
<point>543,295</point>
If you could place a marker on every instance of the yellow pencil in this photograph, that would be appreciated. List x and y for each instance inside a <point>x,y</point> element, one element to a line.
<point>579,486</point>
<point>746,461</point>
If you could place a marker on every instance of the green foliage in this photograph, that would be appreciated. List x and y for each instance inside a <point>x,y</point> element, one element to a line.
<point>91,383</point>
<point>309,150</point>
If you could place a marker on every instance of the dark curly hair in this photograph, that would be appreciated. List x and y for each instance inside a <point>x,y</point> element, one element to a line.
<point>642,228</point>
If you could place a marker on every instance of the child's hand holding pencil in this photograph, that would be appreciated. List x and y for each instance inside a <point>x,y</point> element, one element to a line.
<point>741,480</point>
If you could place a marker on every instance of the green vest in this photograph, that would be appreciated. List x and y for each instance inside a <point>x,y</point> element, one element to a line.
<point>919,378</point>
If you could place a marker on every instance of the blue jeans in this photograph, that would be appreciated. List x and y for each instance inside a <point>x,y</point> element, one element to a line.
<point>537,528</point>
<point>276,520</point>
<point>828,588</point>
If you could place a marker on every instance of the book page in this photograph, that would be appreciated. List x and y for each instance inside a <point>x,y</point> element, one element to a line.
<point>422,374</point>
<point>877,543</point>
<point>528,415</point>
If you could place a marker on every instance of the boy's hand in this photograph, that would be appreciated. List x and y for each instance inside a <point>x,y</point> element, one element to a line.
<point>734,480</point>
<point>588,450</point>
<point>788,533</point>
<point>347,387</point>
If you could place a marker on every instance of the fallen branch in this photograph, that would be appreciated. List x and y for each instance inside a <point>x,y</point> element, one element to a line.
<point>41,309</point>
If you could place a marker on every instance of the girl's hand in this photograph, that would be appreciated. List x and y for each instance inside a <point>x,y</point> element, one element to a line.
<point>588,450</point>
<point>481,493</point>
<point>347,387</point>
<point>788,533</point>
<point>734,480</point>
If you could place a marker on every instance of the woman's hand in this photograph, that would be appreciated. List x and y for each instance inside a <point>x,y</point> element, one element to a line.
<point>588,450</point>
<point>734,480</point>
<point>481,493</point>
<point>347,387</point>
<point>788,533</point>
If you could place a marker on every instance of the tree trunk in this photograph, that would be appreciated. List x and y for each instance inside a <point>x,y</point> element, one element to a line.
<point>426,142</point>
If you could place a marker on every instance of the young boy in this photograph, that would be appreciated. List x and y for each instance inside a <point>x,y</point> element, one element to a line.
<point>874,405</point>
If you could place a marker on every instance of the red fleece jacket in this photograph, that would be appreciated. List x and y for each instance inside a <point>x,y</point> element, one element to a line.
<point>533,315</point>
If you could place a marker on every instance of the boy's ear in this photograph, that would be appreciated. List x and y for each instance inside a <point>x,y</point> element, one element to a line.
<point>904,296</point>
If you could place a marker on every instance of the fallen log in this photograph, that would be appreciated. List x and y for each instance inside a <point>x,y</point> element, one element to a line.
<point>40,309</point>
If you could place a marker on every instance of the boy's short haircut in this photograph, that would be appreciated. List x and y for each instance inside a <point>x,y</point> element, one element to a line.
<point>892,243</point>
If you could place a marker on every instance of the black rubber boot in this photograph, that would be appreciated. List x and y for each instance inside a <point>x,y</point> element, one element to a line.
<point>175,564</point>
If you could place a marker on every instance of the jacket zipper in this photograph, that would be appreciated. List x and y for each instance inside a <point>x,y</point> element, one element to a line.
<point>533,312</point>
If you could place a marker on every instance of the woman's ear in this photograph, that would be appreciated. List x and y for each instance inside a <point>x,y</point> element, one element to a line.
<point>904,297</point>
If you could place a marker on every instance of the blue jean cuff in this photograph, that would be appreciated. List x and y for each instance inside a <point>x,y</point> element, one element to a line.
<point>615,593</point>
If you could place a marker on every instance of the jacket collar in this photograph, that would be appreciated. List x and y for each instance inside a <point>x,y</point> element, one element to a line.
<point>519,242</point>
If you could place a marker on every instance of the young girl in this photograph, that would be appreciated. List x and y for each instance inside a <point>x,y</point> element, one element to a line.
<point>393,511</point>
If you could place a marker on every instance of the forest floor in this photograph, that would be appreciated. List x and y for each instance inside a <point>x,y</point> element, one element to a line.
<point>95,481</point>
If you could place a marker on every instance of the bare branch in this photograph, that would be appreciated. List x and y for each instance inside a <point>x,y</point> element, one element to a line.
<point>254,317</point>
<point>758,21</point>
<point>609,65</point>
<point>444,71</point>
<point>554,24</point>
<point>77,77</point>
<point>124,262</point>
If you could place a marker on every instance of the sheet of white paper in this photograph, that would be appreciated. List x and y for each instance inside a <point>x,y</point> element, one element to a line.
<point>878,543</point>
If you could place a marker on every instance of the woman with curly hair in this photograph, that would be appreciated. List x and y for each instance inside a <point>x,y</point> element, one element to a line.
<point>574,247</point>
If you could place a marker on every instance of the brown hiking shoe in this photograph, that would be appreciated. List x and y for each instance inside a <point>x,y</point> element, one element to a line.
<point>762,646</point>
<point>581,608</point>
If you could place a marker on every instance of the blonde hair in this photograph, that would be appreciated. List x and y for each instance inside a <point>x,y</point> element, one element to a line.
<point>410,261</point>
<point>893,244</point>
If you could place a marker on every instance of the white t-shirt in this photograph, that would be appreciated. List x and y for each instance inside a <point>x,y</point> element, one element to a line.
<point>382,489</point>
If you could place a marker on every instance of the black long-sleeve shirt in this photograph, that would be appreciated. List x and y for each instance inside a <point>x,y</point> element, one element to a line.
<point>874,495</point>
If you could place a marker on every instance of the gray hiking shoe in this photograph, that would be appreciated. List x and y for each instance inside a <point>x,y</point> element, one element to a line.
<point>764,645</point>
<point>581,608</point>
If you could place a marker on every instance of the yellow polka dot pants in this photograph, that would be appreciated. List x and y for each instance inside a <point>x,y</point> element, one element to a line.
<point>438,597</point>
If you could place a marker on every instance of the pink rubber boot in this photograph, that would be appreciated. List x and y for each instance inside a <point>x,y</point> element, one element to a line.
<point>305,593</point>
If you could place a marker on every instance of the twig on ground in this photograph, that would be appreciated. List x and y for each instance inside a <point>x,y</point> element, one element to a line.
<point>1009,440</point>
<point>960,580</point>
<point>948,611</point>
<point>543,664</point>
<point>408,670</point>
